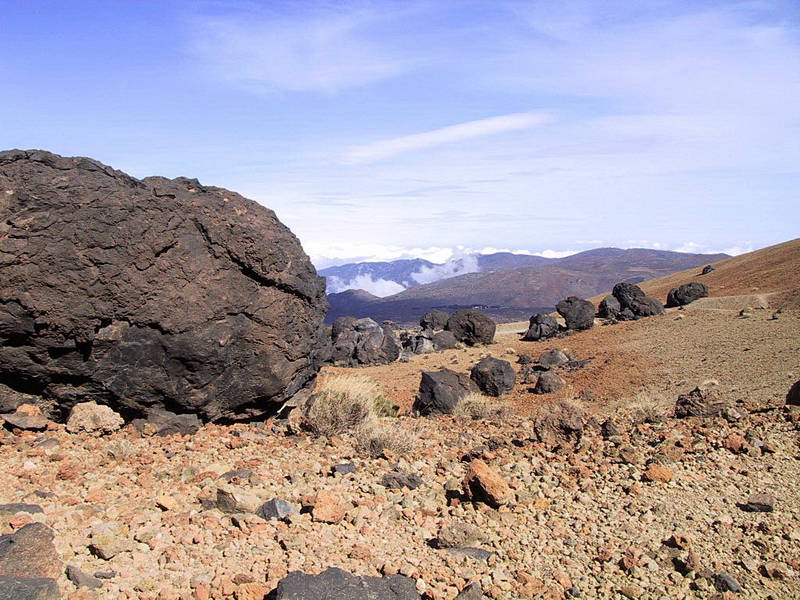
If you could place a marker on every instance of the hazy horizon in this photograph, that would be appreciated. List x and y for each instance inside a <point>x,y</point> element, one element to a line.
<point>385,130</point>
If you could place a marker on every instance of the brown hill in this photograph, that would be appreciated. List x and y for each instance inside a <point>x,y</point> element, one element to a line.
<point>515,294</point>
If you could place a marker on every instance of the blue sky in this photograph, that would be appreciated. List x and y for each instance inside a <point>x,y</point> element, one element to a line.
<point>379,130</point>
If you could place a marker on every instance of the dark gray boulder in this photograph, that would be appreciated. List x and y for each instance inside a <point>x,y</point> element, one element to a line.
<point>793,397</point>
<point>440,391</point>
<point>30,553</point>
<point>553,358</point>
<point>493,376</point>
<point>708,269</point>
<point>702,401</point>
<point>609,308</point>
<point>420,343</point>
<point>336,584</point>
<point>471,327</point>
<point>541,326</point>
<point>27,588</point>
<point>277,508</point>
<point>473,591</point>
<point>578,313</point>
<point>363,342</point>
<point>635,303</point>
<point>686,294</point>
<point>153,293</point>
<point>444,340</point>
<point>434,319</point>
<point>548,383</point>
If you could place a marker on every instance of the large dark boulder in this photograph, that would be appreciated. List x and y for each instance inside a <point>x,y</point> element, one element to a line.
<point>686,294</point>
<point>440,391</point>
<point>540,327</point>
<point>702,401</point>
<point>634,303</point>
<point>471,327</point>
<point>434,319</point>
<point>419,343</point>
<point>336,584</point>
<point>708,269</point>
<point>493,376</point>
<point>152,293</point>
<point>363,342</point>
<point>30,553</point>
<point>444,340</point>
<point>578,313</point>
<point>609,308</point>
<point>793,397</point>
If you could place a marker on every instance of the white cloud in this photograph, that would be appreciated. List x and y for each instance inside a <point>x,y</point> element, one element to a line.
<point>365,281</point>
<point>461,265</point>
<point>446,135</point>
<point>555,253</point>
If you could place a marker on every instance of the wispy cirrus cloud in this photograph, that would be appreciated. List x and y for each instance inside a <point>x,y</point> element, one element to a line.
<point>383,149</point>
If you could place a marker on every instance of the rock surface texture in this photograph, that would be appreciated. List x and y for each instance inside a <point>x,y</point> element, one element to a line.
<point>336,584</point>
<point>541,326</point>
<point>578,313</point>
<point>150,293</point>
<point>635,303</point>
<point>493,376</point>
<point>440,391</point>
<point>363,342</point>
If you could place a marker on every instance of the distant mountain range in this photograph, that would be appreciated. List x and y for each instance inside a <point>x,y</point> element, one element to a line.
<point>507,286</point>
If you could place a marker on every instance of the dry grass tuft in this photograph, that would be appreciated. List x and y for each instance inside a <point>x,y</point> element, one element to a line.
<point>354,404</point>
<point>476,406</point>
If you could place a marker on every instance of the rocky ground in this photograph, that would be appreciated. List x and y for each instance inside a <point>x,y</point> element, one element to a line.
<point>649,506</point>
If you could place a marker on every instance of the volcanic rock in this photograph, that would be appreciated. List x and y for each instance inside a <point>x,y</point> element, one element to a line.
<point>458,534</point>
<point>30,553</point>
<point>609,308</point>
<point>793,397</point>
<point>686,294</point>
<point>707,269</point>
<point>440,391</point>
<point>434,319</point>
<point>553,358</point>
<point>493,376</point>
<point>93,418</point>
<point>152,293</point>
<point>548,383</point>
<point>578,313</point>
<point>473,591</point>
<point>482,484</point>
<point>560,422</point>
<point>363,342</point>
<point>541,326</point>
<point>633,300</point>
<point>27,417</point>
<point>24,588</point>
<point>336,584</point>
<point>276,508</point>
<point>471,327</point>
<point>702,401</point>
<point>444,340</point>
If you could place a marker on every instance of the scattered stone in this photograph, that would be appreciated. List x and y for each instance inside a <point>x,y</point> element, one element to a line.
<point>553,358</point>
<point>440,391</point>
<point>659,473</point>
<point>482,484</point>
<point>107,541</point>
<point>725,583</point>
<point>548,383</point>
<point>93,418</point>
<point>635,303</point>
<point>10,399</point>
<point>610,429</point>
<point>746,313</point>
<point>708,269</point>
<point>493,376</point>
<point>686,294</point>
<point>775,570</point>
<point>234,500</point>
<point>578,313</point>
<point>759,503</point>
<point>736,443</point>
<point>458,534</point>
<point>327,508</point>
<point>30,553</point>
<point>26,588</point>
<point>559,423</point>
<point>27,417</point>
<point>702,401</point>
<point>540,327</point>
<point>344,468</point>
<point>237,475</point>
<point>434,319</point>
<point>336,584</point>
<point>397,480</point>
<point>276,508</point>
<point>249,309</point>
<point>471,327</point>
<point>163,423</point>
<point>17,507</point>
<point>476,553</point>
<point>105,574</point>
<point>81,579</point>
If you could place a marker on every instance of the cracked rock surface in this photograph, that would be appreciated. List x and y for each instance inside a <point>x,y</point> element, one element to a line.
<point>150,294</point>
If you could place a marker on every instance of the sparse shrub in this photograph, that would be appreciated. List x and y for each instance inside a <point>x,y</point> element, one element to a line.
<point>342,404</point>
<point>478,406</point>
<point>385,407</point>
<point>373,437</point>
